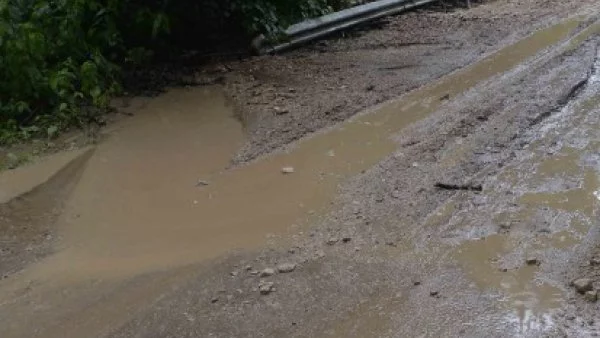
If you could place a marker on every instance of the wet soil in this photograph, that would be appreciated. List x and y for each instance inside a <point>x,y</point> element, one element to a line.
<point>143,227</point>
<point>421,261</point>
<point>285,97</point>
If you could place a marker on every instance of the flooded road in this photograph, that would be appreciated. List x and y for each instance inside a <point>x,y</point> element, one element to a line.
<point>158,195</point>
<point>138,207</point>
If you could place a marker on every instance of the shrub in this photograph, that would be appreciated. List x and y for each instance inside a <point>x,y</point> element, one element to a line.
<point>60,60</point>
<point>53,63</point>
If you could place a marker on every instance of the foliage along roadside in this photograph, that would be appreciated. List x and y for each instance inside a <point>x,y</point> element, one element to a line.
<point>61,60</point>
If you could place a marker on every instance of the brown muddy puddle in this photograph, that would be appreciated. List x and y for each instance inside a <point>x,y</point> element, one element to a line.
<point>15,183</point>
<point>528,300</point>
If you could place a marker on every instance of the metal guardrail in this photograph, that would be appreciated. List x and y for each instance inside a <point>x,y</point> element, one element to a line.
<point>311,29</point>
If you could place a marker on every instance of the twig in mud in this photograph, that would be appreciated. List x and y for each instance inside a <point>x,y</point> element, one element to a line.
<point>397,67</point>
<point>469,187</point>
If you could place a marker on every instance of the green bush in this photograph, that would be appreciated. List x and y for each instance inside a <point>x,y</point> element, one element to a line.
<point>60,60</point>
<point>53,64</point>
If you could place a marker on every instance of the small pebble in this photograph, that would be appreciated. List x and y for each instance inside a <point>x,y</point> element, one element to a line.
<point>582,285</point>
<point>287,170</point>
<point>280,111</point>
<point>286,267</point>
<point>591,296</point>
<point>332,240</point>
<point>266,287</point>
<point>267,272</point>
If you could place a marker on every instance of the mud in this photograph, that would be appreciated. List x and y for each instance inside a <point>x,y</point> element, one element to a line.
<point>332,80</point>
<point>35,198</point>
<point>458,259</point>
<point>131,192</point>
<point>148,222</point>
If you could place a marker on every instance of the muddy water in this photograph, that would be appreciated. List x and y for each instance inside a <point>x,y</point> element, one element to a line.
<point>528,299</point>
<point>557,197</point>
<point>14,183</point>
<point>138,203</point>
<point>138,207</point>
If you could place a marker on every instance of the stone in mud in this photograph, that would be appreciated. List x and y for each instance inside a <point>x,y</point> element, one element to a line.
<point>280,111</point>
<point>214,300</point>
<point>332,240</point>
<point>583,285</point>
<point>286,267</point>
<point>267,272</point>
<point>346,239</point>
<point>591,296</point>
<point>266,287</point>
<point>505,225</point>
<point>396,194</point>
<point>287,170</point>
<point>595,261</point>
<point>532,261</point>
<point>434,293</point>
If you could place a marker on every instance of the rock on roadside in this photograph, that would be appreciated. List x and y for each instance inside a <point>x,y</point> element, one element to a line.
<point>286,267</point>
<point>267,272</point>
<point>583,285</point>
<point>266,287</point>
<point>591,296</point>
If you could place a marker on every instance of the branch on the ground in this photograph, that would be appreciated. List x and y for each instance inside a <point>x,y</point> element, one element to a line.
<point>469,187</point>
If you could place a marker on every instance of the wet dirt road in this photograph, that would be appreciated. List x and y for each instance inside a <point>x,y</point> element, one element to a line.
<point>145,230</point>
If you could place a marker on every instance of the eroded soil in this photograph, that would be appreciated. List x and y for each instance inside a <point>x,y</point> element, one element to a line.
<point>135,238</point>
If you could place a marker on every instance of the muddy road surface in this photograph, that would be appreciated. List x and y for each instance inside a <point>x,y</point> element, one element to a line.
<point>437,175</point>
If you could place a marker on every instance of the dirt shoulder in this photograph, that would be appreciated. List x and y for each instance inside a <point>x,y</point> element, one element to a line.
<point>288,96</point>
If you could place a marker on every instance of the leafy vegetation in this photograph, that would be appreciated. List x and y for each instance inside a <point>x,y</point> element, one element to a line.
<point>60,60</point>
